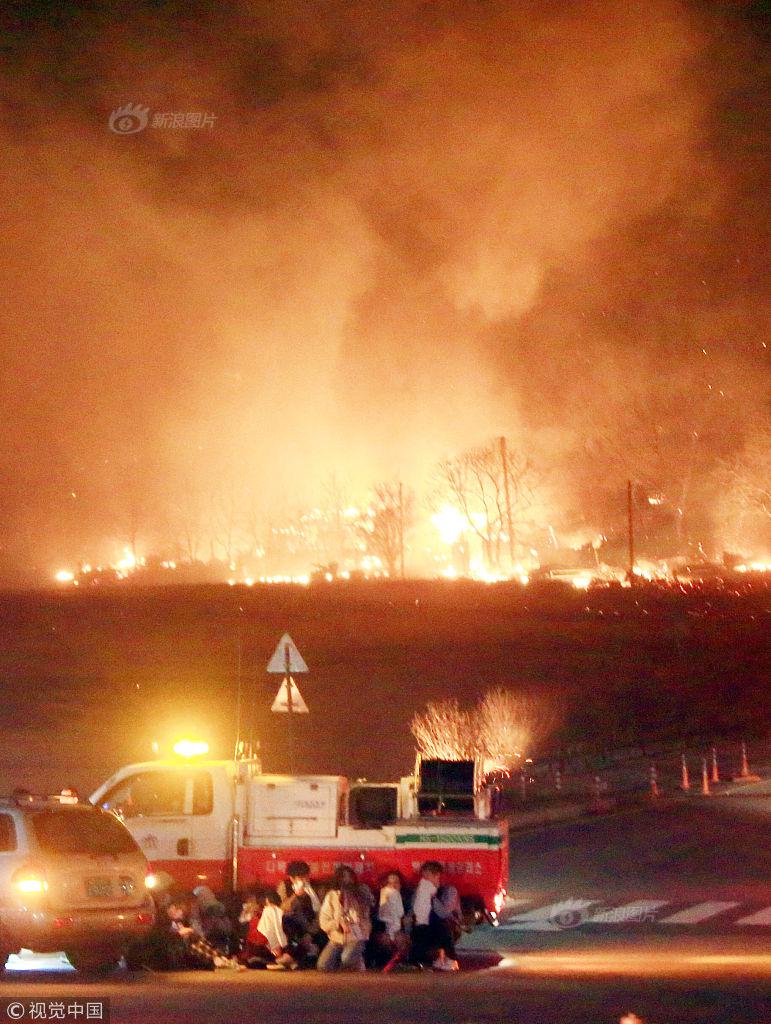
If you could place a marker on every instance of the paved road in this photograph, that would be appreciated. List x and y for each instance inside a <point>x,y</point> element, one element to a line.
<point>488,996</point>
<point>675,849</point>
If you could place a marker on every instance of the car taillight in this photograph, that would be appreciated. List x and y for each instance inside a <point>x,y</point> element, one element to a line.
<point>145,918</point>
<point>29,881</point>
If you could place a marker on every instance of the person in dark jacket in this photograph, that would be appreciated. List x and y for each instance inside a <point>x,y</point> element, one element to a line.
<point>300,906</point>
<point>211,919</point>
<point>176,944</point>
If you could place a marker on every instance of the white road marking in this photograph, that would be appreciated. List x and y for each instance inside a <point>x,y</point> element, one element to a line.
<point>699,912</point>
<point>761,917</point>
<point>636,912</point>
<point>573,913</point>
<point>554,917</point>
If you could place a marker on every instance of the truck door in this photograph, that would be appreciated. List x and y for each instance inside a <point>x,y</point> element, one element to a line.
<point>167,811</point>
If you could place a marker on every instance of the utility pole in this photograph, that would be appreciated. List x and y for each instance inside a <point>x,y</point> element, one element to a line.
<point>505,464</point>
<point>238,695</point>
<point>401,529</point>
<point>630,529</point>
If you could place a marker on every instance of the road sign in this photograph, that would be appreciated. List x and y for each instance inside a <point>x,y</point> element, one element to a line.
<point>286,658</point>
<point>281,703</point>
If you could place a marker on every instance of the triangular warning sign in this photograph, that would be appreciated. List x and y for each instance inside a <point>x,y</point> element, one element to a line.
<point>281,703</point>
<point>286,651</point>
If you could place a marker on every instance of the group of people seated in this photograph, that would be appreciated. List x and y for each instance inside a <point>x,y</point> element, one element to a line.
<point>342,926</point>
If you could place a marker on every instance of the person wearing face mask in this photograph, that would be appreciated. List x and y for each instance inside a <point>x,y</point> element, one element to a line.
<point>300,906</point>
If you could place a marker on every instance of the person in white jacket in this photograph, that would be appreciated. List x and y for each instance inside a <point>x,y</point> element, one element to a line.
<point>431,937</point>
<point>391,908</point>
<point>345,917</point>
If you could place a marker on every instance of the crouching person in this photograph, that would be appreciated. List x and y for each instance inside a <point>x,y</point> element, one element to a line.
<point>389,943</point>
<point>266,944</point>
<point>210,918</point>
<point>301,907</point>
<point>432,937</point>
<point>345,916</point>
<point>176,944</point>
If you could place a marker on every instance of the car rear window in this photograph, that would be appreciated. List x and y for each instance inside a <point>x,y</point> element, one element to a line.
<point>7,833</point>
<point>59,831</point>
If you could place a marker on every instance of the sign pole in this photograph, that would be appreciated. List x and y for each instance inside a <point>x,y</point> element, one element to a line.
<point>285,661</point>
<point>288,684</point>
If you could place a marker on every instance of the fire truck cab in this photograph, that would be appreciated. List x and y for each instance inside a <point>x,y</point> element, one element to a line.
<point>228,825</point>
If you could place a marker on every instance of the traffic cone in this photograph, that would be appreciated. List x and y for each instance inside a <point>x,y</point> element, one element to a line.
<point>745,775</point>
<point>654,782</point>
<point>715,772</point>
<point>704,778</point>
<point>597,793</point>
<point>685,784</point>
<point>745,769</point>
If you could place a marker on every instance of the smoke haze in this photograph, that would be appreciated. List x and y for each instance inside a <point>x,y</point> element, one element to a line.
<point>411,226</point>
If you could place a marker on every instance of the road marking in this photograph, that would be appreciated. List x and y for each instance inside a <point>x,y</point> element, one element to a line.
<point>554,917</point>
<point>699,912</point>
<point>635,912</point>
<point>762,917</point>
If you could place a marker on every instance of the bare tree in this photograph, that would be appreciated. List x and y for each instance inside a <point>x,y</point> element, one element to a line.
<point>502,728</point>
<point>133,503</point>
<point>389,520</point>
<point>476,481</point>
<point>510,726</point>
<point>744,485</point>
<point>336,500</point>
<point>665,441</point>
<point>226,520</point>
<point>253,522</point>
<point>445,731</point>
<point>188,517</point>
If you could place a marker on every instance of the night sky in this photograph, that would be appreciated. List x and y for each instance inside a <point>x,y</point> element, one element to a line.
<point>377,234</point>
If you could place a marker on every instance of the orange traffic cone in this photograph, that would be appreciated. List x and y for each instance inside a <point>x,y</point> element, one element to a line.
<point>685,783</point>
<point>715,772</point>
<point>745,775</point>
<point>745,769</point>
<point>704,778</point>
<point>654,782</point>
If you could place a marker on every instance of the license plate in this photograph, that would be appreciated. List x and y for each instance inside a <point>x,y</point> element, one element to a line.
<point>99,887</point>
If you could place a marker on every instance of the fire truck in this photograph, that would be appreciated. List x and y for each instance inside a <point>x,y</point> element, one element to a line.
<point>228,825</point>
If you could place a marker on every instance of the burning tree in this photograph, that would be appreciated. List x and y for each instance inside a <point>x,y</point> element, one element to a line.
<point>744,482</point>
<point>445,731</point>
<point>501,728</point>
<point>510,725</point>
<point>665,443</point>
<point>494,488</point>
<point>389,520</point>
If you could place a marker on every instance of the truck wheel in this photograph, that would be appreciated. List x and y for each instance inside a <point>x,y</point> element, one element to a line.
<point>474,912</point>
